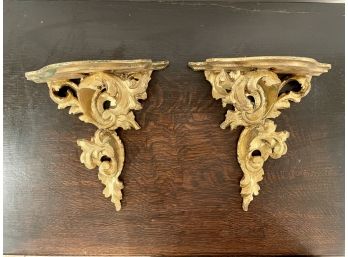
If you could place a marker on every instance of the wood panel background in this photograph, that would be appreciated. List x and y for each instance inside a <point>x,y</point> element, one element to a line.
<point>181,174</point>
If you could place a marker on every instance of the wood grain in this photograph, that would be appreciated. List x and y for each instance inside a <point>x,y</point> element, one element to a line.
<point>181,173</point>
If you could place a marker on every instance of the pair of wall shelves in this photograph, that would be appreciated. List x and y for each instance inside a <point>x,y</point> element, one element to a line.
<point>256,89</point>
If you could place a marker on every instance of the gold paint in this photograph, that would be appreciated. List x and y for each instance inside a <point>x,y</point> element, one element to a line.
<point>106,151</point>
<point>252,85</point>
<point>103,93</point>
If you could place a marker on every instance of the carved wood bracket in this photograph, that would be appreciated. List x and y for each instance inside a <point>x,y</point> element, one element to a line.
<point>257,88</point>
<point>103,93</point>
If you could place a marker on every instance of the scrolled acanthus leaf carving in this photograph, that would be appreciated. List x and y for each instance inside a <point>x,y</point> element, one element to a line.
<point>103,99</point>
<point>64,93</point>
<point>103,93</point>
<point>254,95</point>
<point>256,88</point>
<point>106,151</point>
<point>256,144</point>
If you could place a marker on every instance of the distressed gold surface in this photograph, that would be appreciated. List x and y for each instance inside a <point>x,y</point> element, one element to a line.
<point>106,151</point>
<point>103,93</point>
<point>253,87</point>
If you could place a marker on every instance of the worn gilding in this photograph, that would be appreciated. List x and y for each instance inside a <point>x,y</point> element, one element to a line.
<point>103,93</point>
<point>255,90</point>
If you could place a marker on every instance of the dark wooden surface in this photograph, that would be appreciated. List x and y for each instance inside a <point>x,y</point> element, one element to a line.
<point>181,174</point>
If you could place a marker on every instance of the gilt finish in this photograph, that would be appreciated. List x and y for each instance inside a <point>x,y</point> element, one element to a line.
<point>103,93</point>
<point>256,89</point>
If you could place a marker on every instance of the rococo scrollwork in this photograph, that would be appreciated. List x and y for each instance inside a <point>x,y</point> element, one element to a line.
<point>256,89</point>
<point>103,93</point>
<point>106,151</point>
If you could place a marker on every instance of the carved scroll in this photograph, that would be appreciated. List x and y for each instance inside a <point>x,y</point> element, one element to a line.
<point>105,150</point>
<point>103,93</point>
<point>256,89</point>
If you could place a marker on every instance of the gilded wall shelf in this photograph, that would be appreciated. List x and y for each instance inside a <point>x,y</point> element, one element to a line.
<point>103,93</point>
<point>257,89</point>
